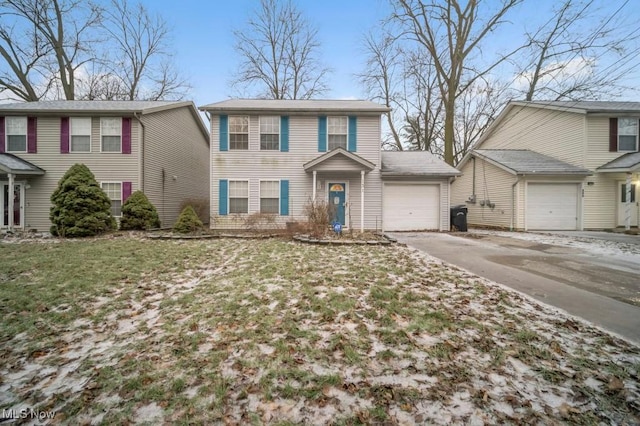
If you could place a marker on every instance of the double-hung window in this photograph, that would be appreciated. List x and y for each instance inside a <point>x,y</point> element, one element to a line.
<point>337,132</point>
<point>16,130</point>
<point>80,129</point>
<point>114,192</point>
<point>270,133</point>
<point>627,134</point>
<point>270,196</point>
<point>111,134</point>
<point>238,196</point>
<point>238,132</point>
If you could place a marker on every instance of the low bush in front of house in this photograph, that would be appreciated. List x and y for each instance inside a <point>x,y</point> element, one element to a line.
<point>188,221</point>
<point>138,213</point>
<point>80,208</point>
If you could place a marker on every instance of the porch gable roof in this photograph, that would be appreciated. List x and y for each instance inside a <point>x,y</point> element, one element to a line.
<point>323,162</point>
<point>10,163</point>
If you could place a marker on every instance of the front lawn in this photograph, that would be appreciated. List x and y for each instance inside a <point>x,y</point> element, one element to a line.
<point>122,329</point>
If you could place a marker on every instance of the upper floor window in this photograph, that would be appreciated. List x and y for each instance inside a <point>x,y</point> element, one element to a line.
<point>238,132</point>
<point>270,196</point>
<point>16,130</point>
<point>337,132</point>
<point>80,129</point>
<point>111,134</point>
<point>114,192</point>
<point>238,196</point>
<point>270,133</point>
<point>627,134</point>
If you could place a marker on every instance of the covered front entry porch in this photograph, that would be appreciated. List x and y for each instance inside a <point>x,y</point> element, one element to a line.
<point>14,181</point>
<point>339,175</point>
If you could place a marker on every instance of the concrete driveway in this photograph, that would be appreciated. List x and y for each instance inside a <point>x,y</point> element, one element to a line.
<point>595,278</point>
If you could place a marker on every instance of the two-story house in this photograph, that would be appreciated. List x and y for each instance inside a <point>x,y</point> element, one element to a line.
<point>158,147</point>
<point>555,165</point>
<point>276,156</point>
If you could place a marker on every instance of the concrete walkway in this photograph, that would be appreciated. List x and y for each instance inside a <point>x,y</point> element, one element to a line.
<point>552,275</point>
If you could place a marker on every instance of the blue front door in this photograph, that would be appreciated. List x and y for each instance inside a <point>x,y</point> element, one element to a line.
<point>337,199</point>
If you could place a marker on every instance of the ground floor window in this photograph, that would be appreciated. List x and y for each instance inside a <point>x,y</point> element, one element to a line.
<point>238,196</point>
<point>270,196</point>
<point>114,192</point>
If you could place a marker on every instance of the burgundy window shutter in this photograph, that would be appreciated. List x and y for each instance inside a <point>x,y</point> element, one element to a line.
<point>126,190</point>
<point>126,135</point>
<point>2,138</point>
<point>32,135</point>
<point>613,134</point>
<point>64,135</point>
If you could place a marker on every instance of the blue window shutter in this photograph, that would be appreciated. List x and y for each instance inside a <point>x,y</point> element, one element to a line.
<point>322,134</point>
<point>224,133</point>
<point>284,198</point>
<point>352,144</point>
<point>223,197</point>
<point>284,134</point>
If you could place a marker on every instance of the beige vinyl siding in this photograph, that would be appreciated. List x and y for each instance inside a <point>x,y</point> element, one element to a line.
<point>492,184</point>
<point>255,165</point>
<point>176,166</point>
<point>551,132</point>
<point>115,167</point>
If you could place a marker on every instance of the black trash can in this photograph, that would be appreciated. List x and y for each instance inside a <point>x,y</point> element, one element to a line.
<point>459,218</point>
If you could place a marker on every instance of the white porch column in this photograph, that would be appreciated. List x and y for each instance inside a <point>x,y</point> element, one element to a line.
<point>11,200</point>
<point>315,176</point>
<point>361,200</point>
<point>627,216</point>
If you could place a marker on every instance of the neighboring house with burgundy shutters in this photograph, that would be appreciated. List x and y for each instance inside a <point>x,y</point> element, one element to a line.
<point>555,165</point>
<point>158,147</point>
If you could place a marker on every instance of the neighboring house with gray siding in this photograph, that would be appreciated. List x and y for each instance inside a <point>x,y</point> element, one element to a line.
<point>158,147</point>
<point>276,156</point>
<point>555,165</point>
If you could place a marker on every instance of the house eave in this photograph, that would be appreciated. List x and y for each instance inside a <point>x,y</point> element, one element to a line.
<point>364,164</point>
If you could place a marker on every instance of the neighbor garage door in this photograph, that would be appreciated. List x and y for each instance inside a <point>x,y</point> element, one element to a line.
<point>407,207</point>
<point>552,206</point>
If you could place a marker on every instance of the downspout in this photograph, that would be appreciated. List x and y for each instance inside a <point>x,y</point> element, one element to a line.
<point>451,180</point>
<point>142,145</point>
<point>513,202</point>
<point>473,187</point>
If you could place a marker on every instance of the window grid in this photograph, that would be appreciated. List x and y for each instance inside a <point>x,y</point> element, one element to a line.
<point>337,128</point>
<point>627,134</point>
<point>238,196</point>
<point>270,197</point>
<point>114,192</point>
<point>16,129</point>
<point>238,132</point>
<point>80,134</point>
<point>270,133</point>
<point>111,134</point>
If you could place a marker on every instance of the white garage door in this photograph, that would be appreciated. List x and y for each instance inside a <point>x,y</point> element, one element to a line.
<point>407,207</point>
<point>552,206</point>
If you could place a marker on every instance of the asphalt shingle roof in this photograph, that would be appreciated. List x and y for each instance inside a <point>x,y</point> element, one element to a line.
<point>589,106</point>
<point>523,161</point>
<point>626,161</point>
<point>88,106</point>
<point>13,164</point>
<point>415,163</point>
<point>315,105</point>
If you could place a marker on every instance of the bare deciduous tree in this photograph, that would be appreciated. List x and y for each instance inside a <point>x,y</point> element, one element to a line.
<point>279,53</point>
<point>451,32</point>
<point>564,55</point>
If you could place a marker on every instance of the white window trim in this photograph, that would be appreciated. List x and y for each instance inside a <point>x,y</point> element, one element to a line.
<point>248,132</point>
<point>637,134</point>
<point>26,136</point>
<point>346,134</point>
<point>109,152</point>
<point>90,139</point>
<point>229,193</point>
<point>121,189</point>
<point>279,132</point>
<point>279,194</point>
